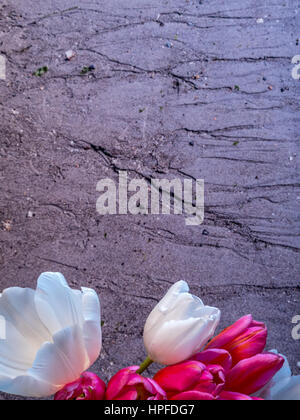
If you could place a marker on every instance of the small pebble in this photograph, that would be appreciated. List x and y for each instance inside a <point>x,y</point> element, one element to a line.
<point>260,21</point>
<point>205,232</point>
<point>7,225</point>
<point>70,54</point>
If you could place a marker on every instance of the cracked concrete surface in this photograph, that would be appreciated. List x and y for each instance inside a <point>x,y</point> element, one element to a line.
<point>189,89</point>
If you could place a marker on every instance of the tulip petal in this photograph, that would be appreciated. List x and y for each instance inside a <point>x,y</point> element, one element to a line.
<point>168,303</point>
<point>24,332</point>
<point>128,385</point>
<point>249,344</point>
<point>88,387</point>
<point>16,353</point>
<point>178,378</point>
<point>92,334</point>
<point>175,341</point>
<point>251,375</point>
<point>230,333</point>
<point>119,381</point>
<point>214,357</point>
<point>62,361</point>
<point>58,306</point>
<point>27,386</point>
<point>17,307</point>
<point>193,396</point>
<point>284,373</point>
<point>233,396</point>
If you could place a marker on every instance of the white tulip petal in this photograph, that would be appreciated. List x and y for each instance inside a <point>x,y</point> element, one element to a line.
<point>16,353</point>
<point>57,304</point>
<point>174,300</point>
<point>169,302</point>
<point>186,307</point>
<point>92,326</point>
<point>62,361</point>
<point>17,307</point>
<point>25,332</point>
<point>178,340</point>
<point>27,386</point>
<point>172,342</point>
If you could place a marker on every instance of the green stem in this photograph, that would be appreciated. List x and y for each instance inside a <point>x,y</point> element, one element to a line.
<point>145,365</point>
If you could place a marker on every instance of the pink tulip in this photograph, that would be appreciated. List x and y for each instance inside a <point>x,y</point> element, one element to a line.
<point>191,380</point>
<point>251,375</point>
<point>87,387</point>
<point>128,385</point>
<point>244,339</point>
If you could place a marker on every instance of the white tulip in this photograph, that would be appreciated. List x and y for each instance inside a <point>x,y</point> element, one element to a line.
<point>283,387</point>
<point>179,326</point>
<point>53,335</point>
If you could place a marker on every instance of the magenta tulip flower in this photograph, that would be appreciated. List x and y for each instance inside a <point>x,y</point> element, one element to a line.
<point>191,380</point>
<point>128,385</point>
<point>88,387</point>
<point>244,339</point>
<point>194,380</point>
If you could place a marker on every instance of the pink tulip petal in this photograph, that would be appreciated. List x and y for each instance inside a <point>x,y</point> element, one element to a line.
<point>251,375</point>
<point>233,396</point>
<point>215,357</point>
<point>178,378</point>
<point>119,381</point>
<point>249,344</point>
<point>230,333</point>
<point>128,395</point>
<point>156,389</point>
<point>88,387</point>
<point>128,385</point>
<point>219,378</point>
<point>192,396</point>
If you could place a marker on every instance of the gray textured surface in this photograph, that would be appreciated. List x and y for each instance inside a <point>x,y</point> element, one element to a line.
<point>225,79</point>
